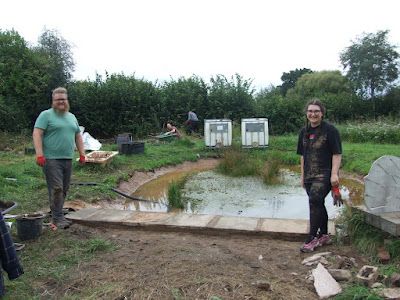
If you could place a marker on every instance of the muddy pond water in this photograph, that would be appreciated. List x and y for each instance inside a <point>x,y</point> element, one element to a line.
<point>209,192</point>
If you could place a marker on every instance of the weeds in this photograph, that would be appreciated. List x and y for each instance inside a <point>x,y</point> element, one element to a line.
<point>270,170</point>
<point>380,132</point>
<point>365,237</point>
<point>239,162</point>
<point>355,291</point>
<point>175,193</point>
<point>97,244</point>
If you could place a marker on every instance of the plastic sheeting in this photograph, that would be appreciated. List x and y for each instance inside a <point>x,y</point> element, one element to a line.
<point>89,142</point>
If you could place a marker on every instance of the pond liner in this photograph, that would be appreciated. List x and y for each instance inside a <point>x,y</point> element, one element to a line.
<point>121,193</point>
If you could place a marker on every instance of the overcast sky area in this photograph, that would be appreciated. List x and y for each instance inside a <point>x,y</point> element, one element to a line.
<point>164,39</point>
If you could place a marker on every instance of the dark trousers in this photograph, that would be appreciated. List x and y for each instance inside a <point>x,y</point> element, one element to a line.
<point>192,127</point>
<point>58,176</point>
<point>317,191</point>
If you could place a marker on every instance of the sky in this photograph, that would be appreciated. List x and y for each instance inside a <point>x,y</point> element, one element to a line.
<point>162,39</point>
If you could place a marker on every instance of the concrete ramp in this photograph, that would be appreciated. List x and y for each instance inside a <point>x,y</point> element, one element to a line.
<point>207,224</point>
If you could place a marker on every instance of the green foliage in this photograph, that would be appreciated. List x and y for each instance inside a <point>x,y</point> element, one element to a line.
<point>289,79</point>
<point>230,99</point>
<point>284,115</point>
<point>96,244</point>
<point>183,142</point>
<point>239,162</point>
<point>365,237</point>
<point>372,63</point>
<point>23,80</point>
<point>181,96</point>
<point>117,103</point>
<point>60,62</point>
<point>358,291</point>
<point>131,105</point>
<point>380,132</point>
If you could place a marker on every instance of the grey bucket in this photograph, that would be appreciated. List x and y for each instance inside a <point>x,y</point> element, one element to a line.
<point>29,227</point>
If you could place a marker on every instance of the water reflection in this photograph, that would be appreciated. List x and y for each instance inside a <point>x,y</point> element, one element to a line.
<point>208,192</point>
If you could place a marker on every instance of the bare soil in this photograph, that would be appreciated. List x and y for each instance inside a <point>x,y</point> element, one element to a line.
<point>176,265</point>
<point>179,265</point>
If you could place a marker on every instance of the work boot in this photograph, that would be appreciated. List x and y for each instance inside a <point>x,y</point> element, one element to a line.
<point>60,223</point>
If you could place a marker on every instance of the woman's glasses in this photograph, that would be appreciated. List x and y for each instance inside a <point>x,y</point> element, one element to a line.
<point>317,111</point>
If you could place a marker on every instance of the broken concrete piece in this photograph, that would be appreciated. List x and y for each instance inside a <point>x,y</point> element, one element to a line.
<point>315,258</point>
<point>325,285</point>
<point>339,274</point>
<point>391,294</point>
<point>395,279</point>
<point>376,285</point>
<point>383,256</point>
<point>367,275</point>
<point>384,279</point>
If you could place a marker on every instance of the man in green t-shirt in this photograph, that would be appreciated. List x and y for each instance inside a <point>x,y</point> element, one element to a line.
<point>55,134</point>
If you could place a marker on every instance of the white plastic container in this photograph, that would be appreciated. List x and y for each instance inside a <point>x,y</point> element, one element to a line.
<point>218,133</point>
<point>254,132</point>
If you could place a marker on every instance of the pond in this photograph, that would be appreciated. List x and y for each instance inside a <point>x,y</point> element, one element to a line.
<point>209,192</point>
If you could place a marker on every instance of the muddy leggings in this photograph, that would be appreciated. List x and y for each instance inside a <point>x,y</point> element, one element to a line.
<point>317,191</point>
<point>58,177</point>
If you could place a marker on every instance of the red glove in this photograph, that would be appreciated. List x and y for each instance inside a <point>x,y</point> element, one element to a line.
<point>82,160</point>
<point>337,197</point>
<point>40,160</point>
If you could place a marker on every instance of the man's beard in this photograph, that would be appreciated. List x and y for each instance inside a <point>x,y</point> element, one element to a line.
<point>61,111</point>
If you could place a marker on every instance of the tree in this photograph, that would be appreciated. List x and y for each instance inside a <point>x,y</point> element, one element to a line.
<point>332,88</point>
<point>231,99</point>
<point>290,79</point>
<point>57,50</point>
<point>23,80</point>
<point>371,63</point>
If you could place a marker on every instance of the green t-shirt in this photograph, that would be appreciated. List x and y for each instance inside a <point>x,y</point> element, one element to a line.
<point>59,134</point>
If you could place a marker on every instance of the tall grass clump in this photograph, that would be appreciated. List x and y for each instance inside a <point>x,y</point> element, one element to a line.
<point>238,163</point>
<point>379,132</point>
<point>175,193</point>
<point>270,169</point>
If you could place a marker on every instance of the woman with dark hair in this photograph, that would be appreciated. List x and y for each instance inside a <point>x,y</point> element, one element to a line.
<point>320,148</point>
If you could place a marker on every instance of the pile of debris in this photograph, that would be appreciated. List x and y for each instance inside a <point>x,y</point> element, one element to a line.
<point>326,279</point>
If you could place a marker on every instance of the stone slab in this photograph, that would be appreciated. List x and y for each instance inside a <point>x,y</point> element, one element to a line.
<point>389,222</point>
<point>110,215</point>
<point>237,223</point>
<point>291,226</point>
<point>189,220</point>
<point>149,218</point>
<point>82,214</point>
<point>285,226</point>
<point>163,221</point>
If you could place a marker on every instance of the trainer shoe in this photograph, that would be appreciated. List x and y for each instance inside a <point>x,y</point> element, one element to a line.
<point>310,246</point>
<point>325,239</point>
